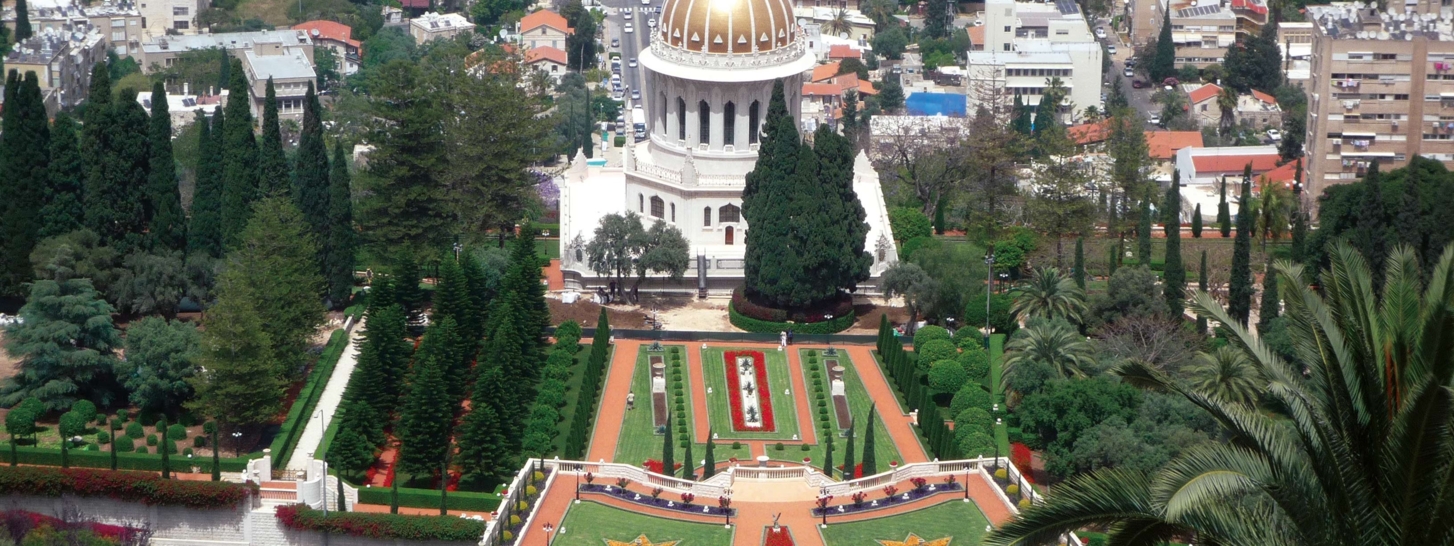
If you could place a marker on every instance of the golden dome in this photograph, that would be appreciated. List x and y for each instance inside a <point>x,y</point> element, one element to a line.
<point>727,26</point>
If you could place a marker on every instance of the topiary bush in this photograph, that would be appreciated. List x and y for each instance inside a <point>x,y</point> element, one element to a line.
<point>971,395</point>
<point>188,452</point>
<point>200,441</point>
<point>974,420</point>
<point>779,446</point>
<point>934,351</point>
<point>134,430</point>
<point>1001,473</point>
<point>124,444</point>
<point>140,449</point>
<point>908,223</point>
<point>975,361</point>
<point>177,432</point>
<point>927,334</point>
<point>103,438</point>
<point>1024,504</point>
<point>964,338</point>
<point>1012,489</point>
<point>947,376</point>
<point>151,440</point>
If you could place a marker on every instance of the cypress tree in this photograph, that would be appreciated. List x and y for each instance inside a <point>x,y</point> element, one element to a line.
<point>168,223</point>
<point>839,234</point>
<point>342,240</point>
<point>1196,222</point>
<point>710,466</point>
<point>312,189</point>
<point>1143,232</point>
<point>204,234</point>
<point>272,169</point>
<point>129,168</point>
<point>1021,122</point>
<point>668,448</point>
<point>1270,299</point>
<point>62,212</point>
<point>1224,214</point>
<point>22,21</point>
<point>848,470</point>
<point>766,204</point>
<point>382,361</point>
<point>394,496</point>
<point>828,457</point>
<point>1202,284</point>
<point>477,285</point>
<point>24,158</point>
<point>424,422</point>
<point>224,72</point>
<point>1079,270</point>
<point>523,281</point>
<point>161,448</point>
<point>1163,63</point>
<point>442,343</point>
<point>689,464</point>
<point>1173,274</point>
<point>870,460</point>
<point>1239,295</point>
<point>1112,258</point>
<point>239,160</point>
<point>115,174</point>
<point>1299,218</point>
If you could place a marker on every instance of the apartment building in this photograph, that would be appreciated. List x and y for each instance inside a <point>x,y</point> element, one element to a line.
<point>119,23</point>
<point>1201,29</point>
<point>159,53</point>
<point>1028,44</point>
<point>544,28</point>
<point>1295,40</point>
<point>433,26</point>
<point>62,62</point>
<point>1381,89</point>
<point>175,17</point>
<point>291,70</point>
<point>337,37</point>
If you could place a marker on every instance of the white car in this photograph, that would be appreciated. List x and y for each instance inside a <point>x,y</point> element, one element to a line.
<point>1130,73</point>
<point>651,23</point>
<point>1155,120</point>
<point>1111,49</point>
<point>626,15</point>
<point>646,2</point>
<point>1275,135</point>
<point>628,29</point>
<point>1101,32</point>
<point>631,63</point>
<point>635,94</point>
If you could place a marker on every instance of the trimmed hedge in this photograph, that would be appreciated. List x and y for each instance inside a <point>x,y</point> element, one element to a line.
<point>841,307</point>
<point>287,438</point>
<point>125,460</point>
<point>838,324</point>
<point>429,498</point>
<point>126,486</point>
<point>382,526</point>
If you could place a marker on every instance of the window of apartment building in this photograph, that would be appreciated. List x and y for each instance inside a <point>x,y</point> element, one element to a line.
<point>181,25</point>
<point>180,11</point>
<point>1386,56</point>
<point>1062,32</point>
<point>118,23</point>
<point>1007,47</point>
<point>118,36</point>
<point>1007,28</point>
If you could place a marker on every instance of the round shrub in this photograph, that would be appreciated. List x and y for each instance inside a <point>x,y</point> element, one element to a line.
<point>1012,489</point>
<point>964,338</point>
<point>134,430</point>
<point>934,351</point>
<point>151,440</point>
<point>1001,473</point>
<point>927,334</point>
<point>177,432</point>
<point>209,427</point>
<point>806,447</point>
<point>947,376</point>
<point>569,328</point>
<point>822,403</point>
<point>514,520</point>
<point>684,437</point>
<point>1024,504</point>
<point>170,446</point>
<point>188,452</point>
<point>536,477</point>
<point>523,506</point>
<point>200,441</point>
<point>973,420</point>
<point>736,445</point>
<point>975,444</point>
<point>976,362</point>
<point>530,490</point>
<point>971,395</point>
<point>506,535</point>
<point>93,447</point>
<point>124,444</point>
<point>141,450</point>
<point>103,438</point>
<point>779,446</point>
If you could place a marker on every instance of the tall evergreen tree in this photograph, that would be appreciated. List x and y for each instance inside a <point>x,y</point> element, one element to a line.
<point>406,277</point>
<point>481,294</point>
<point>1079,270</point>
<point>1239,293</point>
<point>1224,211</point>
<point>224,74</point>
<point>117,163</point>
<point>204,234</point>
<point>828,457</point>
<point>765,205</point>
<point>274,260</point>
<point>839,233</point>
<point>503,353</point>
<point>383,359</point>
<point>869,459</point>
<point>689,464</point>
<point>939,19</point>
<point>1143,232</point>
<point>24,160</point>
<point>1022,123</point>
<point>311,174</point>
<point>23,29</point>
<point>1173,276</point>
<point>848,470</point>
<point>342,240</point>
<point>1163,63</point>
<point>668,448</point>
<point>709,465</point>
<point>1202,284</point>
<point>1270,300</point>
<point>1299,219</point>
<point>481,441</point>
<point>424,422</point>
<point>272,170</point>
<point>168,229</point>
<point>96,134</point>
<point>404,204</point>
<point>522,283</point>
<point>65,344</point>
<point>239,159</point>
<point>443,343</point>
<point>1196,221</point>
<point>1370,234</point>
<point>240,385</point>
<point>63,212</point>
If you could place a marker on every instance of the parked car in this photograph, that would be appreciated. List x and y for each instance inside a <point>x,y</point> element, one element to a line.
<point>1101,32</point>
<point>631,63</point>
<point>1137,84</point>
<point>1129,72</point>
<point>1275,135</point>
<point>646,2</point>
<point>1131,62</point>
<point>626,14</point>
<point>651,23</point>
<point>1111,49</point>
<point>615,42</point>
<point>1155,119</point>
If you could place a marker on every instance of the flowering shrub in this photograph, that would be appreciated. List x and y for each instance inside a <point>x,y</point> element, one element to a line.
<point>1020,457</point>
<point>889,491</point>
<point>859,497</point>
<point>778,536</point>
<point>919,483</point>
<point>382,526</point>
<point>729,359</point>
<point>127,486</point>
<point>687,498</point>
<point>654,465</point>
<point>110,534</point>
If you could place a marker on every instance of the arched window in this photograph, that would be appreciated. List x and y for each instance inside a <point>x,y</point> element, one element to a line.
<point>729,124</point>
<point>658,207</point>
<point>752,122</point>
<point>729,214</point>
<point>640,203</point>
<point>673,213</point>
<point>681,119</point>
<point>706,216</point>
<point>704,123</point>
<point>729,235</point>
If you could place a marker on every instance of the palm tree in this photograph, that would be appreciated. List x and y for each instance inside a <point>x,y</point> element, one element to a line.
<point>1353,448</point>
<point>839,24</point>
<point>1227,375</point>
<point>1053,343</point>
<point>1227,103</point>
<point>1275,211</point>
<point>1049,294</point>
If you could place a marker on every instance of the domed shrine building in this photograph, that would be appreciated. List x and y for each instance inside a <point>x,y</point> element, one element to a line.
<point>706,79</point>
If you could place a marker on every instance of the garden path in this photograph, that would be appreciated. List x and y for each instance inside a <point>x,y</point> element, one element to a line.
<point>327,403</point>
<point>612,412</point>
<point>899,425</point>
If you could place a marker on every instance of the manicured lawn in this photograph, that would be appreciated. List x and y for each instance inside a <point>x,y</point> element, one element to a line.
<point>638,440</point>
<point>548,248</point>
<point>858,405</point>
<point>591,524</point>
<point>784,409</point>
<point>960,520</point>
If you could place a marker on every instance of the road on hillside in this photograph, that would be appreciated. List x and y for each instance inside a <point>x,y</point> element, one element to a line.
<point>632,44</point>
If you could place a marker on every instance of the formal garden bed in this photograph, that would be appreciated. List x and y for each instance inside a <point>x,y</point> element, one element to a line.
<point>773,387</point>
<point>860,405</point>
<point>892,497</point>
<point>830,318</point>
<point>594,524</point>
<point>300,517</point>
<point>684,502</point>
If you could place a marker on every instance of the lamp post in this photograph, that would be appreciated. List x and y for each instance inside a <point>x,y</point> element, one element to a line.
<point>823,507</point>
<point>997,439</point>
<point>578,484</point>
<point>236,443</point>
<point>831,351</point>
<point>989,281</point>
<point>966,483</point>
<point>548,528</point>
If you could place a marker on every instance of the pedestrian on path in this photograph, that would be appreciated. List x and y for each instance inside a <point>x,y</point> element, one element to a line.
<point>782,341</point>
<point>630,400</point>
<point>790,336</point>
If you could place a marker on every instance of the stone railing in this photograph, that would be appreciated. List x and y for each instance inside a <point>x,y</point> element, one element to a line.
<point>658,172</point>
<point>757,59</point>
<point>712,488</point>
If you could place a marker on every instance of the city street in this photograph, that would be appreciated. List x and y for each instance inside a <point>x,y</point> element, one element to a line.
<point>1139,99</point>
<point>632,45</point>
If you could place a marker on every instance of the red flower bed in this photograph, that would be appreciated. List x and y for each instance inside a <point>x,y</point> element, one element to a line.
<point>764,397</point>
<point>126,486</point>
<point>1020,457</point>
<point>112,533</point>
<point>777,537</point>
<point>382,526</point>
<point>654,465</point>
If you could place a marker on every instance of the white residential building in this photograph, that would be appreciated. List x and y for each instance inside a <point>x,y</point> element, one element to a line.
<point>1027,44</point>
<point>176,16</point>
<point>432,26</point>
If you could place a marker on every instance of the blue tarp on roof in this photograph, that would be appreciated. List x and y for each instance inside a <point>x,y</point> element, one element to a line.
<point>935,104</point>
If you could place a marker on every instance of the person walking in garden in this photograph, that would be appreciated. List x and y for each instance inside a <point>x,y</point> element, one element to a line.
<point>631,400</point>
<point>782,341</point>
<point>790,336</point>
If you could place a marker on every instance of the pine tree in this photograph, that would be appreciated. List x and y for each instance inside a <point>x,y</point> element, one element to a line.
<point>848,470</point>
<point>424,422</point>
<point>1224,214</point>
<point>168,229</point>
<point>407,292</point>
<point>689,464</point>
<point>1239,294</point>
<point>239,160</point>
<point>442,343</point>
<point>1202,284</point>
<point>502,352</point>
<point>62,212</point>
<point>1021,122</point>
<point>272,169</point>
<point>383,359</point>
<point>481,441</point>
<point>480,293</point>
<point>709,467</point>
<point>522,281</point>
<point>277,251</point>
<point>351,450</point>
<point>312,189</point>
<point>1143,232</point>
<point>452,303</point>
<point>668,448</point>
<point>1079,270</point>
<point>24,158</point>
<point>1173,275</point>
<point>1196,221</point>
<point>204,234</point>
<point>1163,63</point>
<point>342,240</point>
<point>241,385</point>
<point>381,292</point>
<point>1270,300</point>
<point>23,30</point>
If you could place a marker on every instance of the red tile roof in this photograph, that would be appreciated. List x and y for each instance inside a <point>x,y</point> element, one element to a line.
<point>844,52</point>
<point>976,35</point>
<point>1261,163</point>
<point>545,53</point>
<point>821,90</point>
<point>1208,91</point>
<point>866,87</point>
<point>329,30</point>
<point>544,17</point>
<point>1264,97</point>
<point>415,4</point>
<point>1164,144</point>
<point>1286,175</point>
<point>824,72</point>
<point>1089,133</point>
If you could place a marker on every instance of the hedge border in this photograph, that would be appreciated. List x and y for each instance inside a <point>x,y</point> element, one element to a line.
<point>381,526</point>
<point>429,498</point>
<point>287,438</point>
<point>144,487</point>
<point>746,323</point>
<point>150,462</point>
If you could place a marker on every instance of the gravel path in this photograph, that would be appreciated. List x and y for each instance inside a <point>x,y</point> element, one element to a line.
<point>327,404</point>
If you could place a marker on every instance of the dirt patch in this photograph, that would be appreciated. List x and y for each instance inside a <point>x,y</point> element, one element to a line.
<point>585,312</point>
<point>8,365</point>
<point>871,312</point>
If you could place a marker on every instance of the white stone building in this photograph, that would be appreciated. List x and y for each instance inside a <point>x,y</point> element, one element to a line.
<point>709,74</point>
<point>1026,44</point>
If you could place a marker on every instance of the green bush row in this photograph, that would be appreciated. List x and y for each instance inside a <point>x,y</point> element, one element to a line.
<point>429,498</point>
<point>287,438</point>
<point>838,324</point>
<point>40,456</point>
